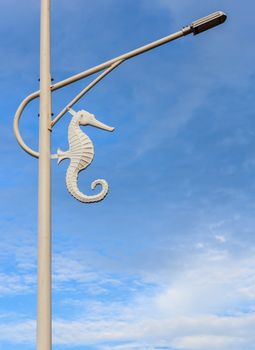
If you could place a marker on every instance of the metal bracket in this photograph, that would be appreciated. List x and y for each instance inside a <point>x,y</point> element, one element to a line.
<point>36,94</point>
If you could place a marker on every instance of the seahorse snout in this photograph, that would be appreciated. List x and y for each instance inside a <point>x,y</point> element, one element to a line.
<point>86,118</point>
<point>101,125</point>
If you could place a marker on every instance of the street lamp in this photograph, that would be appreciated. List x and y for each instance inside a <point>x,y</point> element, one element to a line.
<point>81,147</point>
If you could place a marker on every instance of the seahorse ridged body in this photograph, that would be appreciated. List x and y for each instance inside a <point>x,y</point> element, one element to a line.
<point>81,154</point>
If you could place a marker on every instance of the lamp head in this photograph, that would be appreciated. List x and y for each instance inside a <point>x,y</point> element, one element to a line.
<point>208,22</point>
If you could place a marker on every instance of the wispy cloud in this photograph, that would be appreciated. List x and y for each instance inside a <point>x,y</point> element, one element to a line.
<point>168,263</point>
<point>197,79</point>
<point>14,283</point>
<point>204,305</point>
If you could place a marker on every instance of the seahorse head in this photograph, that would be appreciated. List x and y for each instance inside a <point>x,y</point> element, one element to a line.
<point>85,118</point>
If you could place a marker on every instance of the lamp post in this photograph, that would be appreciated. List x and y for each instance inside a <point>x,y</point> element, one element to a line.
<point>44,314</point>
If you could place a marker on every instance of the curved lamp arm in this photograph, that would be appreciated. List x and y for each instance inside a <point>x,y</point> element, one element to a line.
<point>108,66</point>
<point>196,27</point>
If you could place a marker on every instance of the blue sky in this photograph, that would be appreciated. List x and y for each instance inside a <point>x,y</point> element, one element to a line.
<point>167,260</point>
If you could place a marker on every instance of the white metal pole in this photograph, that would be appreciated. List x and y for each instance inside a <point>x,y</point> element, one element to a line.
<point>44,314</point>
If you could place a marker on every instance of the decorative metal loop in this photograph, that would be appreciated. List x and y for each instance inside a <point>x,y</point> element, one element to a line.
<point>16,121</point>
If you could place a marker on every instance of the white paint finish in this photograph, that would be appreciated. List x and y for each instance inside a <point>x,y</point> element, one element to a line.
<point>111,64</point>
<point>81,154</point>
<point>44,313</point>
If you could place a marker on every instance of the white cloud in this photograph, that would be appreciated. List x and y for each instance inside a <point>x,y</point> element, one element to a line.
<point>18,332</point>
<point>66,269</point>
<point>210,332</point>
<point>16,284</point>
<point>220,238</point>
<point>209,342</point>
<point>197,78</point>
<point>201,308</point>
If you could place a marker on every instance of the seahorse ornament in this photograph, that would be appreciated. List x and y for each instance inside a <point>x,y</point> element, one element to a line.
<point>81,154</point>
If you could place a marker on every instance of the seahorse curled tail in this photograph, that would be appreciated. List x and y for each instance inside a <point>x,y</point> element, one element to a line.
<point>72,186</point>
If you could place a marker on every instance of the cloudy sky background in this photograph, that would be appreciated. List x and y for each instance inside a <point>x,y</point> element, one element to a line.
<point>167,260</point>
